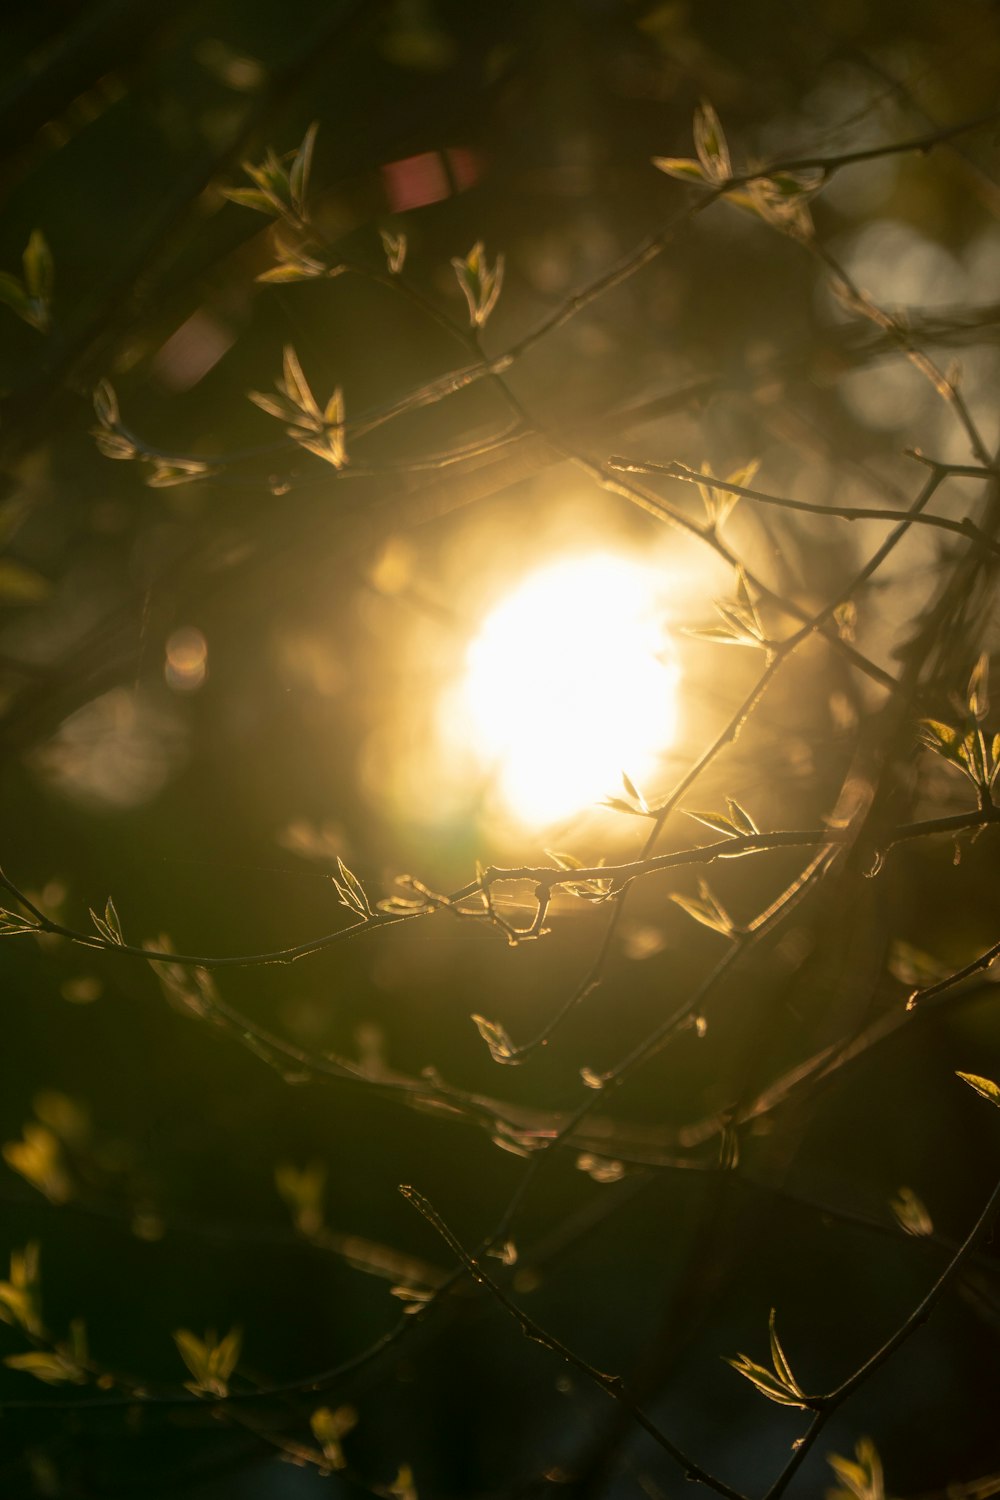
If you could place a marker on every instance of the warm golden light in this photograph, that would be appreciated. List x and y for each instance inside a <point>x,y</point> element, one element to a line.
<point>570,682</point>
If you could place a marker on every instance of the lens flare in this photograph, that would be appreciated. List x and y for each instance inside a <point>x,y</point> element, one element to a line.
<point>569,683</point>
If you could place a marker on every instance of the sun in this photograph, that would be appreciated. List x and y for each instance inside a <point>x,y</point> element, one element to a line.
<point>570,681</point>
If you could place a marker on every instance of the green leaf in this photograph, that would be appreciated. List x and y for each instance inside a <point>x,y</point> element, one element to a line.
<point>718,821</point>
<point>480,282</point>
<point>710,144</point>
<point>864,1479</point>
<point>108,926</point>
<point>106,404</point>
<point>681,167</point>
<point>939,737</point>
<point>708,911</point>
<point>298,177</point>
<point>779,1359</point>
<point>53,1369</point>
<point>39,270</point>
<point>635,794</point>
<point>778,1385</point>
<point>721,636</point>
<point>394,246</point>
<point>742,819</point>
<point>769,1385</point>
<point>984,1086</point>
<point>978,691</point>
<point>253,198</point>
<point>211,1361</point>
<point>501,1047</point>
<point>911,1212</point>
<point>351,891</point>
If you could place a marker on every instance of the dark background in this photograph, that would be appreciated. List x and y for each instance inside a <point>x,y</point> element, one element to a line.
<point>215,816</point>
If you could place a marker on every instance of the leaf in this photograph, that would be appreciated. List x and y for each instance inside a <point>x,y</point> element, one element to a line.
<point>681,167</point>
<point>846,619</point>
<point>302,1189</point>
<point>767,1383</point>
<point>39,269</point>
<point>54,1368</point>
<point>911,1212</point>
<point>279,275</point>
<point>253,198</point>
<point>741,817</point>
<point>501,1047</point>
<point>296,387</point>
<point>108,926</point>
<point>351,891</point>
<point>12,922</point>
<point>480,283</point>
<point>721,636</point>
<point>708,911</point>
<point>984,1086</point>
<point>394,246</point>
<point>211,1361</point>
<point>635,794</point>
<point>710,144</point>
<point>779,1385</point>
<point>414,1297</point>
<point>618,804</point>
<point>166,475</point>
<point>298,177</point>
<point>328,1427</point>
<point>864,1479</point>
<point>106,404</point>
<point>938,736</point>
<point>978,691</point>
<point>779,1359</point>
<point>718,821</point>
<point>193,1352</point>
<point>38,1158</point>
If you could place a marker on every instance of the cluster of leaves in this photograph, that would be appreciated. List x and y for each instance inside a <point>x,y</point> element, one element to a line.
<point>20,1306</point>
<point>351,893</point>
<point>109,926</point>
<point>303,1189</point>
<point>480,282</point>
<point>741,625</point>
<point>319,431</point>
<point>736,824</point>
<point>780,198</point>
<point>30,295</point>
<point>329,1428</point>
<point>720,503</point>
<point>777,1384</point>
<point>280,183</point>
<point>114,440</point>
<point>38,1158</point>
<point>591,889</point>
<point>861,1476</point>
<point>211,1360</point>
<point>707,909</point>
<point>964,745</point>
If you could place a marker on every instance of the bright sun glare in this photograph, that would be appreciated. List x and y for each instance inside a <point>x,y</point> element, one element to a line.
<point>570,682</point>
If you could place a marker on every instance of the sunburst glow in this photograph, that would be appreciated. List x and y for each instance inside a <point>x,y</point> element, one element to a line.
<point>570,682</point>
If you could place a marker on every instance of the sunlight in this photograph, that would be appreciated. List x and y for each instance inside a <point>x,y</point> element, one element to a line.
<point>569,683</point>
